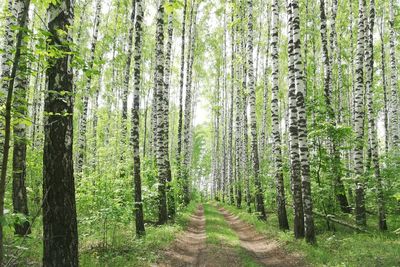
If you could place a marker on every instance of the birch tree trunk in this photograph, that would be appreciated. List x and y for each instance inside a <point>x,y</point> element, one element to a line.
<point>295,167</point>
<point>127,72</point>
<point>384,85</point>
<point>181,84</point>
<point>276,132</point>
<point>359,120</point>
<point>394,115</point>
<point>188,107</point>
<point>19,195</point>
<point>231,160</point>
<point>83,120</point>
<point>309,228</point>
<point>167,78</point>
<point>259,194</point>
<point>6,58</point>
<point>139,220</point>
<point>163,164</point>
<point>328,61</point>
<point>21,9</point>
<point>60,235</point>
<point>372,131</point>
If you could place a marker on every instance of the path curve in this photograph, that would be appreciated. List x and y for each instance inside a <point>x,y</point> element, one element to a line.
<point>266,251</point>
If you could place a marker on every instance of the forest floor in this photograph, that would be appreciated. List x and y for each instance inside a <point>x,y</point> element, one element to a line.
<point>215,237</point>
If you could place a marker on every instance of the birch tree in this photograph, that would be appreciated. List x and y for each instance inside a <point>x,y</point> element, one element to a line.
<point>359,119</point>
<point>60,233</point>
<point>259,194</point>
<point>86,92</point>
<point>139,220</point>
<point>276,131</point>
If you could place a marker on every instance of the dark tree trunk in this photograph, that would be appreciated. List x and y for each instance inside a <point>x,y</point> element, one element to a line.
<point>60,232</point>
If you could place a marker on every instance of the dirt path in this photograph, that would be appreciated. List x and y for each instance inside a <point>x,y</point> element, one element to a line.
<point>266,251</point>
<point>191,250</point>
<point>188,247</point>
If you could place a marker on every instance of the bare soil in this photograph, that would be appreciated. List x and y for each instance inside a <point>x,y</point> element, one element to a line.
<point>190,248</point>
<point>266,251</point>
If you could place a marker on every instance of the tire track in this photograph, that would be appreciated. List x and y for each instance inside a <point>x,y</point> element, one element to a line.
<point>189,245</point>
<point>266,251</point>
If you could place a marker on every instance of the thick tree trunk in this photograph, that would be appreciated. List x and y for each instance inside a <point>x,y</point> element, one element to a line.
<point>139,220</point>
<point>276,132</point>
<point>60,233</point>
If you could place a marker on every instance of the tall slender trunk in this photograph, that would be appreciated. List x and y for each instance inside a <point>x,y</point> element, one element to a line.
<point>139,221</point>
<point>359,120</point>
<point>231,160</point>
<point>113,74</point>
<point>181,84</point>
<point>259,194</point>
<point>6,58</point>
<point>384,85</point>
<point>60,233</point>
<point>188,106</point>
<point>19,195</point>
<point>83,119</point>
<point>21,8</point>
<point>328,63</point>
<point>238,119</point>
<point>394,105</point>
<point>263,132</point>
<point>127,72</point>
<point>217,135</point>
<point>309,228</point>
<point>295,167</point>
<point>244,122</point>
<point>167,79</point>
<point>225,149</point>
<point>276,131</point>
<point>372,131</point>
<point>163,164</point>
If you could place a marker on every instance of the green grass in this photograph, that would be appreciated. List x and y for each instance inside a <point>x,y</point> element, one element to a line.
<point>130,251</point>
<point>220,234</point>
<point>342,248</point>
<point>124,249</point>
